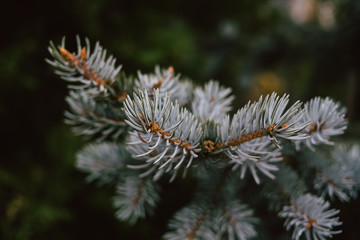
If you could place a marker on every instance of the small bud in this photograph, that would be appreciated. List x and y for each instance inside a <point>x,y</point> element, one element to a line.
<point>157,85</point>
<point>83,53</point>
<point>67,55</point>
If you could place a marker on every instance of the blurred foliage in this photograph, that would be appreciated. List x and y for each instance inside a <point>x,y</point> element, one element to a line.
<point>253,46</point>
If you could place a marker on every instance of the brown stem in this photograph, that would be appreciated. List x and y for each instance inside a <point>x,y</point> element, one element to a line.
<point>232,219</point>
<point>192,233</point>
<point>154,127</point>
<point>221,183</point>
<point>257,134</point>
<point>139,191</point>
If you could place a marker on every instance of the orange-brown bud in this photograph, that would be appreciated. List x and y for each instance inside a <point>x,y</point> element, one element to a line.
<point>83,53</point>
<point>157,85</point>
<point>70,58</point>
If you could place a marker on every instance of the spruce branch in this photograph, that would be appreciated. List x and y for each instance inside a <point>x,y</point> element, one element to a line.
<point>326,117</point>
<point>103,161</point>
<point>167,83</point>
<point>311,216</point>
<point>94,119</point>
<point>176,129</point>
<point>264,157</point>
<point>167,136</point>
<point>212,215</point>
<point>212,102</point>
<point>332,182</point>
<point>136,198</point>
<point>308,214</point>
<point>265,117</point>
<point>348,157</point>
<point>337,171</point>
<point>215,214</point>
<point>247,138</point>
<point>235,222</point>
<point>91,72</point>
<point>190,223</point>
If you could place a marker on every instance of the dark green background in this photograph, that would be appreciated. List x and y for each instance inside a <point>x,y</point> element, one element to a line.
<point>43,196</point>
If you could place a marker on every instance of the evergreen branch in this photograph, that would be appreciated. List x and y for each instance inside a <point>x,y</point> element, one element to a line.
<point>196,226</point>
<point>264,118</point>
<point>166,135</point>
<point>136,197</point>
<point>337,173</point>
<point>167,83</point>
<point>309,215</point>
<point>91,72</point>
<point>348,157</point>
<point>212,102</point>
<point>326,117</point>
<point>259,154</point>
<point>332,182</point>
<point>245,141</point>
<point>135,201</point>
<point>90,118</point>
<point>212,216</point>
<point>103,161</point>
<point>192,222</point>
<point>234,221</point>
<point>167,138</point>
<point>200,221</point>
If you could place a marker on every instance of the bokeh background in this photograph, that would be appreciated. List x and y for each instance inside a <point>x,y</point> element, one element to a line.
<point>303,47</point>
